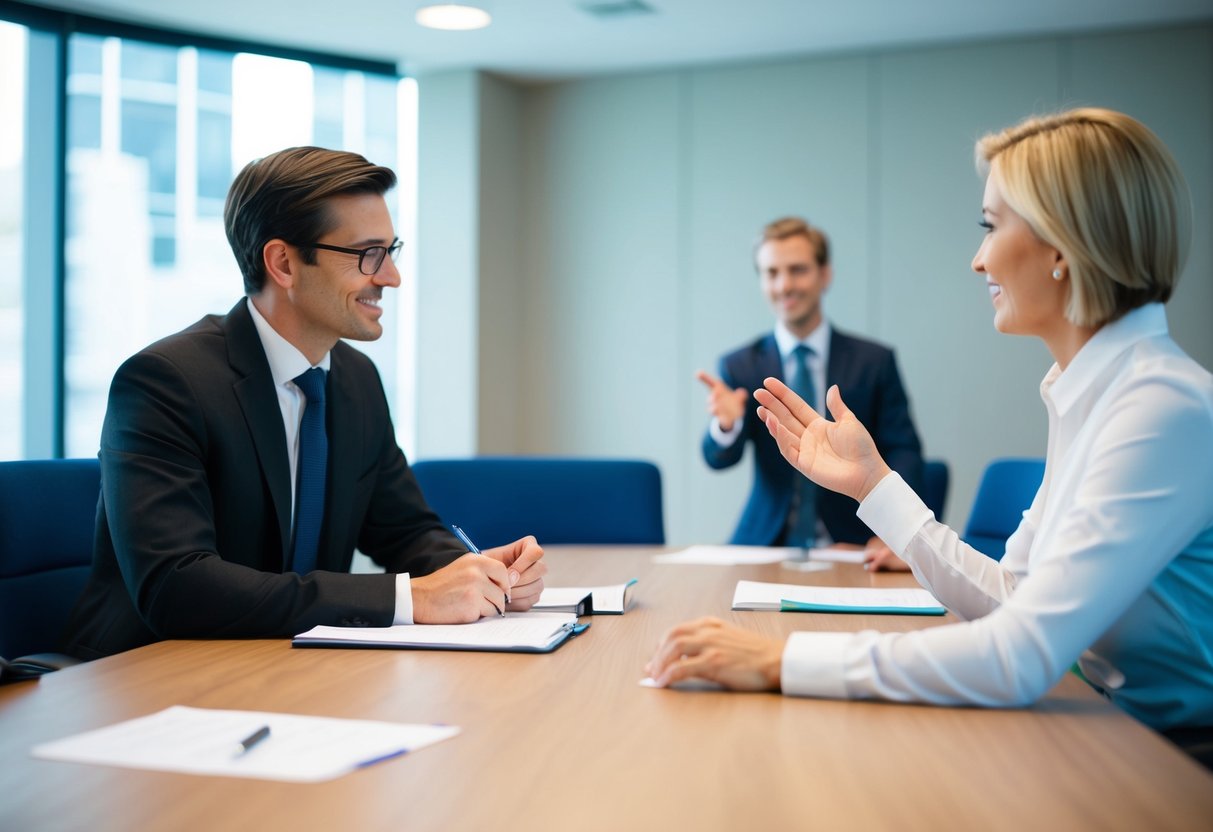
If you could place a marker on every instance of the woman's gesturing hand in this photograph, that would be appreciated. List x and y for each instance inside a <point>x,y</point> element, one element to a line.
<point>838,455</point>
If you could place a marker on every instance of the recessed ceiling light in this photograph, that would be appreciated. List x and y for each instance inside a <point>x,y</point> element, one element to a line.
<point>453,16</point>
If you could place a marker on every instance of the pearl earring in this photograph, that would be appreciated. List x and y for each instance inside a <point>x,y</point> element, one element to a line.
<point>1057,274</point>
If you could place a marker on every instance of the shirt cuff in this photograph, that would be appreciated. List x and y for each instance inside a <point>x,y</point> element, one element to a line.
<point>894,512</point>
<point>404,599</point>
<point>724,438</point>
<point>813,665</point>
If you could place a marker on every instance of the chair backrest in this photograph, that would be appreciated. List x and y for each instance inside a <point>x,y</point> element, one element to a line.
<point>1005,493</point>
<point>559,500</point>
<point>48,510</point>
<point>935,476</point>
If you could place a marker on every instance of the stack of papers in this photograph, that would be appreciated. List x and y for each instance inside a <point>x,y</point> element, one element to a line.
<point>587,600</point>
<point>299,749</point>
<point>515,632</point>
<point>755,595</point>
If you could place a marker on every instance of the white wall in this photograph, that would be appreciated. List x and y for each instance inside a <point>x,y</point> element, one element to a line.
<point>623,227</point>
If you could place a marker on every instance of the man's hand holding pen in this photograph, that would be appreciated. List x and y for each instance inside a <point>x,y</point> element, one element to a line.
<point>480,584</point>
<point>523,560</point>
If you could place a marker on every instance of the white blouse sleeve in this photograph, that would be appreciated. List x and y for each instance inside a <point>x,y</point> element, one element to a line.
<point>1141,495</point>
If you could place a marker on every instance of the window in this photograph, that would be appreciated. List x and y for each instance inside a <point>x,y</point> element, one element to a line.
<point>134,137</point>
<point>12,198</point>
<point>155,135</point>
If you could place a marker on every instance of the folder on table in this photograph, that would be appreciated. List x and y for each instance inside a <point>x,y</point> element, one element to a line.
<point>516,632</point>
<point>756,595</point>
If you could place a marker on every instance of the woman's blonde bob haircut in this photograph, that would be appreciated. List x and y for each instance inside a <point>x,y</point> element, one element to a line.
<point>1103,190</point>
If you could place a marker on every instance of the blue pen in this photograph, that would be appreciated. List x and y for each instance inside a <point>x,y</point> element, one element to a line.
<point>475,550</point>
<point>391,755</point>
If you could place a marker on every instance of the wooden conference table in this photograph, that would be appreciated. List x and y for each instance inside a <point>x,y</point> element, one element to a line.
<point>570,741</point>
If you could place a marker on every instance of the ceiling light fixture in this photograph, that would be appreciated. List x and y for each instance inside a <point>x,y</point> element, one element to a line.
<point>453,16</point>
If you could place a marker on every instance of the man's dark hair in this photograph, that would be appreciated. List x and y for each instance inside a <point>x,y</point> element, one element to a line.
<point>285,196</point>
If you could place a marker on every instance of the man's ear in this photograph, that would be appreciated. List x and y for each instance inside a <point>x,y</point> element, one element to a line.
<point>279,260</point>
<point>827,276</point>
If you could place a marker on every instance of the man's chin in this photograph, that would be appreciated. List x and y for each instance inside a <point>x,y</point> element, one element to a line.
<point>796,322</point>
<point>364,334</point>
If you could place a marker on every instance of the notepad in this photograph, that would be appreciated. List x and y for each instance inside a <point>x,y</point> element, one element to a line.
<point>515,632</point>
<point>756,595</point>
<point>587,600</point>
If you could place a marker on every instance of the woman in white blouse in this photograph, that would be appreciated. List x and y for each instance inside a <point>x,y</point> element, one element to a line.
<point>1087,220</point>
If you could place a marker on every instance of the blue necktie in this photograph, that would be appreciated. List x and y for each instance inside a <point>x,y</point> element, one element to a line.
<point>313,468</point>
<point>802,524</point>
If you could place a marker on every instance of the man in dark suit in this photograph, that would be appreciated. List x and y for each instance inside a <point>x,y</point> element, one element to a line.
<point>793,261</point>
<point>227,510</point>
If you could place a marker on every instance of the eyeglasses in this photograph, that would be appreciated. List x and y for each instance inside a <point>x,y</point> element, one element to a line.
<point>369,259</point>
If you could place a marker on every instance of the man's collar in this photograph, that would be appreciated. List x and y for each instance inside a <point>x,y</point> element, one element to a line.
<point>1065,387</point>
<point>818,340</point>
<point>285,360</point>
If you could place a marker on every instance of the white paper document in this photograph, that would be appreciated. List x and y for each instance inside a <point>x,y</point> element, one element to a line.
<point>729,555</point>
<point>298,749</point>
<point>757,595</point>
<point>605,600</point>
<point>758,555</point>
<point>836,554</point>
<point>514,632</point>
<point>685,684</point>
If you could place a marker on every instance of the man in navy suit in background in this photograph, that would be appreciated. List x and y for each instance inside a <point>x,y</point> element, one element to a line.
<point>793,262</point>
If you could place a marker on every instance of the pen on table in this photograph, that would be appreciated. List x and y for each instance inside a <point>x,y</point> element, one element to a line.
<point>475,550</point>
<point>254,738</point>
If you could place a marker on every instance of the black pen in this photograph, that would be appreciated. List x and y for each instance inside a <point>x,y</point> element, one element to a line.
<point>475,550</point>
<point>254,738</point>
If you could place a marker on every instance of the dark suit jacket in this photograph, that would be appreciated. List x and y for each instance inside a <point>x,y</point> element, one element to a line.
<point>866,375</point>
<point>193,525</point>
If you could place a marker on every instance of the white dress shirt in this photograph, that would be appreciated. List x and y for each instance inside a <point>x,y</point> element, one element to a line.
<point>286,364</point>
<point>1111,566</point>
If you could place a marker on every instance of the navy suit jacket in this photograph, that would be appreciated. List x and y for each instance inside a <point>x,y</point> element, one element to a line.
<point>866,375</point>
<point>194,521</point>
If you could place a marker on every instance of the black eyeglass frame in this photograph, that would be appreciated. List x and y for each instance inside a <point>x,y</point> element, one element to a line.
<point>377,253</point>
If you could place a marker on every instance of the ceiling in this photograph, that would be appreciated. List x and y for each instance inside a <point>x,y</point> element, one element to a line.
<point>548,39</point>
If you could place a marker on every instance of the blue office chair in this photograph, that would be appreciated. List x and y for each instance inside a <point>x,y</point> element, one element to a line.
<point>497,500</point>
<point>935,479</point>
<point>48,509</point>
<point>1005,493</point>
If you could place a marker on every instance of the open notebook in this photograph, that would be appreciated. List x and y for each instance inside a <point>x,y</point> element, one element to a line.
<point>587,600</point>
<point>515,632</point>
